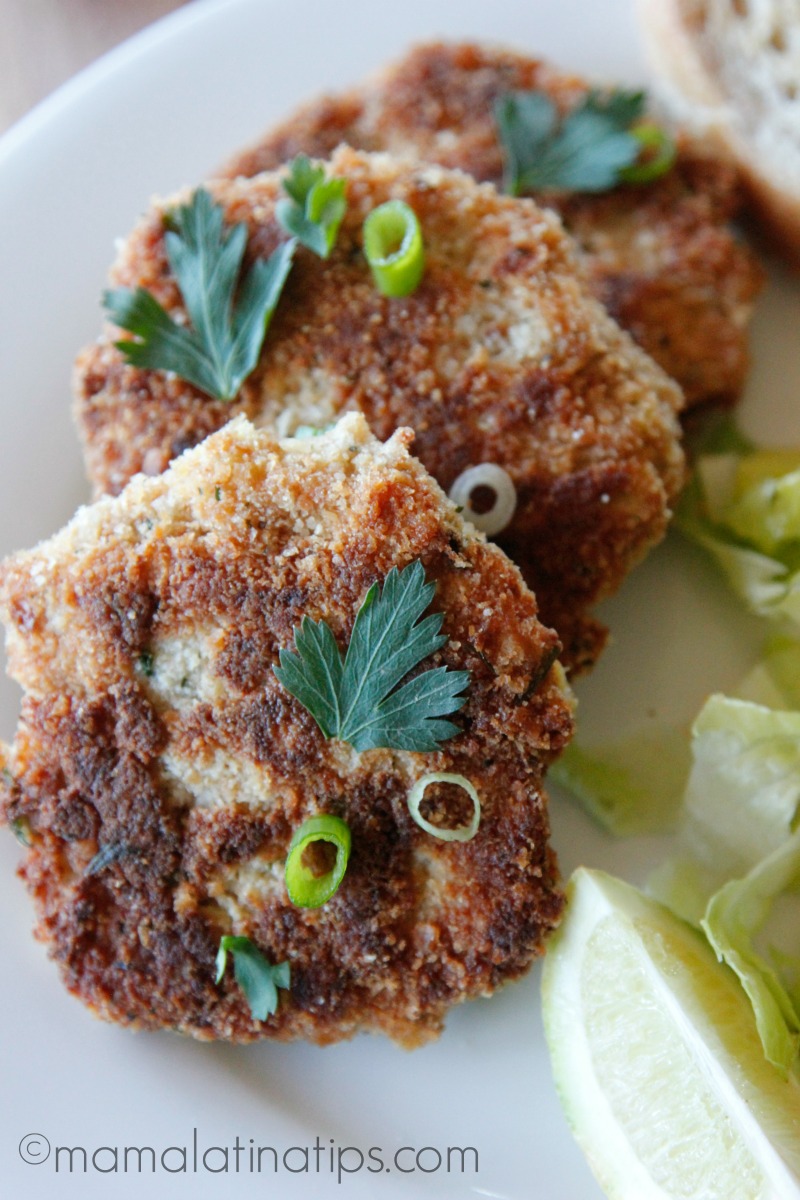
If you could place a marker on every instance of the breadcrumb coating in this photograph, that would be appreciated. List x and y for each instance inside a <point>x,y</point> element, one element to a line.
<point>500,355</point>
<point>663,258</point>
<point>153,730</point>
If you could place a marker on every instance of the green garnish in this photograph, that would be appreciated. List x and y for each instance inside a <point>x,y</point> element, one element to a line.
<point>21,829</point>
<point>311,431</point>
<point>462,833</point>
<point>310,883</point>
<point>394,249</point>
<point>588,150</point>
<point>146,663</point>
<point>256,976</point>
<point>316,206</point>
<point>229,317</point>
<point>109,854</point>
<point>660,154</point>
<point>356,698</point>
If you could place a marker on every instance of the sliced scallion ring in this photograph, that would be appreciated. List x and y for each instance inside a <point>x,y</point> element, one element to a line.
<point>394,248</point>
<point>659,150</point>
<point>492,477</point>
<point>310,878</point>
<point>415,797</point>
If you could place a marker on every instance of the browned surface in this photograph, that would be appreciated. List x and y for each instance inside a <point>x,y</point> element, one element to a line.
<point>500,355</point>
<point>196,765</point>
<point>661,257</point>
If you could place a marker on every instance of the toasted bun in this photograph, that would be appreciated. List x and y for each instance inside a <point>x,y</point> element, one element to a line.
<point>731,70</point>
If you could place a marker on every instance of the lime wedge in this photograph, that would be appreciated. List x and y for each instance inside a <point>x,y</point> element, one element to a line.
<point>657,1059</point>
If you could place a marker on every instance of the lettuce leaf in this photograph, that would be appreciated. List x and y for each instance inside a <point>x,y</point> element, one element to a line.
<point>748,518</point>
<point>735,915</point>
<point>775,680</point>
<point>739,851</point>
<point>631,786</point>
<point>767,513</point>
<point>740,804</point>
<point>736,869</point>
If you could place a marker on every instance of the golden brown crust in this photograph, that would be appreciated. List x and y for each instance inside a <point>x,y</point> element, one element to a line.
<point>500,355</point>
<point>663,257</point>
<point>145,634</point>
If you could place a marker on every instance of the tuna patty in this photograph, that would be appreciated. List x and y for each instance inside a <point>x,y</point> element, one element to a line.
<point>500,355</point>
<point>155,734</point>
<point>661,257</point>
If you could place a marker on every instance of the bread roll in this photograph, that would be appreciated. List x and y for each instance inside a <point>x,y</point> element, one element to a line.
<point>731,70</point>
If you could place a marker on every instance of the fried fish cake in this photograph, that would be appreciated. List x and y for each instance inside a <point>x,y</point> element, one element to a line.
<point>500,355</point>
<point>661,257</point>
<point>159,768</point>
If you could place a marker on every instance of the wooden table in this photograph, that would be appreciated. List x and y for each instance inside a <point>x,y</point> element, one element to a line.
<point>44,42</point>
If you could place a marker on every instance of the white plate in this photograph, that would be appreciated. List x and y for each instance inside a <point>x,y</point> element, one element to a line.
<point>157,113</point>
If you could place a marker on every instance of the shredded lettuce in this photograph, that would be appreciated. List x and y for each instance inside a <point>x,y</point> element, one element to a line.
<point>735,915</point>
<point>745,511</point>
<point>740,803</point>
<point>738,852</point>
<point>736,868</point>
<point>631,786</point>
<point>767,514</point>
<point>775,680</point>
<point>765,583</point>
<point>756,466</point>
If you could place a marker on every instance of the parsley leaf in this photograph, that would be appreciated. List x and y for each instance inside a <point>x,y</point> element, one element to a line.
<point>585,151</point>
<point>357,698</point>
<point>229,322</point>
<point>110,853</point>
<point>256,976</point>
<point>316,206</point>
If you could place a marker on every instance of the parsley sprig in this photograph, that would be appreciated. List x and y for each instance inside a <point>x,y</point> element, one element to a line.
<point>229,317</point>
<point>255,974</point>
<point>588,150</point>
<point>357,698</point>
<point>315,208</point>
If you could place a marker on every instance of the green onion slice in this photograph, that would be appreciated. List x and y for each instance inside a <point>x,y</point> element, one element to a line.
<point>394,248</point>
<point>308,882</point>
<point>415,797</point>
<point>498,484</point>
<point>659,150</point>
